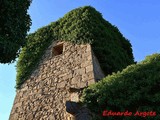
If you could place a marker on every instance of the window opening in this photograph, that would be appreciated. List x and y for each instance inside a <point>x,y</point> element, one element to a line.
<point>57,50</point>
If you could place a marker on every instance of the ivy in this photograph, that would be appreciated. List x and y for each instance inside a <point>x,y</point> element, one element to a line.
<point>79,26</point>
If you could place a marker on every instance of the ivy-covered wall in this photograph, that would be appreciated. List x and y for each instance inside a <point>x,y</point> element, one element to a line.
<point>79,26</point>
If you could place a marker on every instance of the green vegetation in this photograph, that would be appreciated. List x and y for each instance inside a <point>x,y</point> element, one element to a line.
<point>14,25</point>
<point>136,88</point>
<point>79,26</point>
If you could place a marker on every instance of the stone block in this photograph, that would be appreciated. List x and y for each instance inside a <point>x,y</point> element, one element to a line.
<point>88,48</point>
<point>84,77</point>
<point>68,76</point>
<point>89,69</point>
<point>51,117</point>
<point>30,116</point>
<point>75,80</point>
<point>79,71</point>
<point>89,58</point>
<point>61,84</point>
<point>90,75</point>
<point>82,84</point>
<point>86,63</point>
<point>14,116</point>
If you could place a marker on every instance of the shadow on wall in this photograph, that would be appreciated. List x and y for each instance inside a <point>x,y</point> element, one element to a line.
<point>77,111</point>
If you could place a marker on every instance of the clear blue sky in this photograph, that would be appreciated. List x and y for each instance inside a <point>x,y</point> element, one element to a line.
<point>138,21</point>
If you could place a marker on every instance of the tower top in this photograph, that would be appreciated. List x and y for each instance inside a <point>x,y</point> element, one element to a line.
<point>79,26</point>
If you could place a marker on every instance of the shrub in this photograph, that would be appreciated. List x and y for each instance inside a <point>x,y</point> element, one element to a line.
<point>136,88</point>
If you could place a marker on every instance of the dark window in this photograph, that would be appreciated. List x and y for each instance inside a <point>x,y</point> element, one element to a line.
<point>57,50</point>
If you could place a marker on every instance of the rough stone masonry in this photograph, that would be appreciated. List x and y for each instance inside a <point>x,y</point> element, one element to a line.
<point>63,66</point>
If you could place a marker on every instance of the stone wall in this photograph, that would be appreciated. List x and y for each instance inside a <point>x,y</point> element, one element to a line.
<point>44,94</point>
<point>98,73</point>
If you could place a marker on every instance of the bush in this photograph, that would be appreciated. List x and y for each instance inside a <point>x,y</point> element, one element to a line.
<point>136,88</point>
<point>80,26</point>
<point>14,25</point>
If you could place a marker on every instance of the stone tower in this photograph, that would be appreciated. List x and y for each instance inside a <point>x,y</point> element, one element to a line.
<point>64,70</point>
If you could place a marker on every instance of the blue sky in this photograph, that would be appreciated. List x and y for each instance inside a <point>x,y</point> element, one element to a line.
<point>138,21</point>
